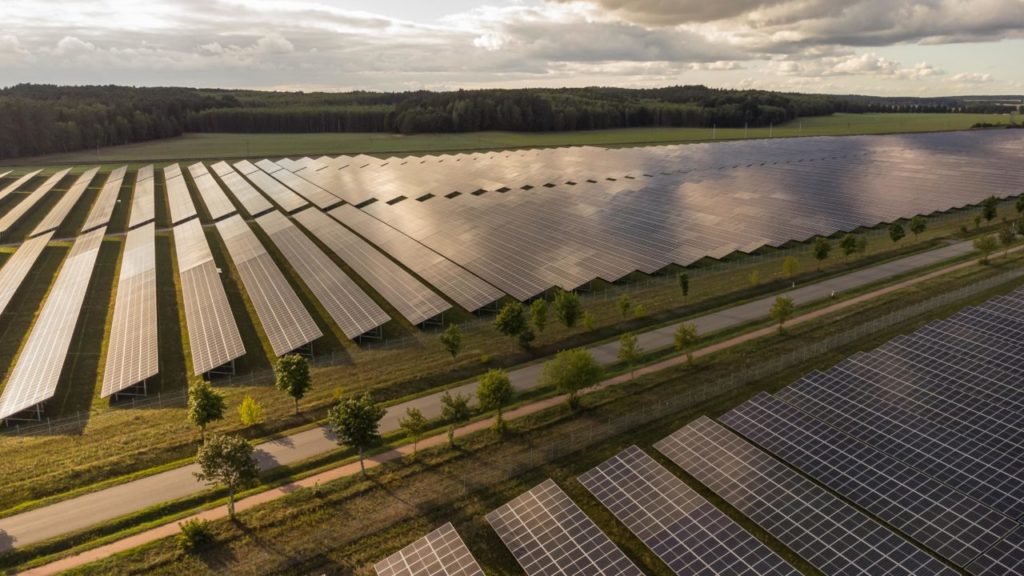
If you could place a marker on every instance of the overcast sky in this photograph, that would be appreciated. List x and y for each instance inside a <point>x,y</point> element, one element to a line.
<point>881,47</point>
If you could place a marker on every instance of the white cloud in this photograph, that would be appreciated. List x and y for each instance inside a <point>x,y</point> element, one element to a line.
<point>972,78</point>
<point>71,46</point>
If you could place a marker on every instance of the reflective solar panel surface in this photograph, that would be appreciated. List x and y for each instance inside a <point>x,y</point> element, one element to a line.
<point>143,202</point>
<point>17,267</point>
<point>315,194</point>
<point>210,192</point>
<point>14,186</point>
<point>251,200</point>
<point>55,217</point>
<point>1006,558</point>
<point>20,210</point>
<point>440,553</point>
<point>103,207</point>
<point>283,196</point>
<point>691,535</point>
<point>179,200</point>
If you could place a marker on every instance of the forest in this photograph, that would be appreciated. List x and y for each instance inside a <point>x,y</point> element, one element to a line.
<point>42,119</point>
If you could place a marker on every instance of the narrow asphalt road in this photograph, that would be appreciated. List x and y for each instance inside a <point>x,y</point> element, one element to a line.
<point>90,509</point>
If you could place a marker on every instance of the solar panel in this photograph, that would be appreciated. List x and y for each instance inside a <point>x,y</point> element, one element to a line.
<point>212,333</point>
<point>144,173</point>
<point>217,203</point>
<point>414,301</point>
<point>440,553</point>
<point>16,214</point>
<point>285,321</point>
<point>1004,559</point>
<point>143,203</point>
<point>548,534</point>
<point>687,532</point>
<point>350,308</point>
<point>179,200</point>
<point>103,207</point>
<point>253,202</point>
<point>319,197</point>
<point>955,526</point>
<point>36,372</point>
<point>132,351</point>
<point>18,265</point>
<point>832,536</point>
<point>55,217</point>
<point>13,186</point>
<point>281,195</point>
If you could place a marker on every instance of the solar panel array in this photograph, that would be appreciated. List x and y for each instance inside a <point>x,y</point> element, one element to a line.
<point>548,534</point>
<point>414,301</point>
<point>285,321</point>
<point>13,186</point>
<point>217,203</point>
<point>179,200</point>
<point>1004,559</point>
<point>311,192</point>
<point>143,200</point>
<point>440,553</point>
<point>17,267</point>
<point>20,210</point>
<point>132,351</point>
<point>212,333</point>
<point>36,372</point>
<point>250,199</point>
<point>691,535</point>
<point>831,535</point>
<point>350,308</point>
<point>103,207</point>
<point>283,196</point>
<point>55,217</point>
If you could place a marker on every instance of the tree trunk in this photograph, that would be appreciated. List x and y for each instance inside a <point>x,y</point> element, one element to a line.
<point>362,467</point>
<point>451,436</point>
<point>296,406</point>
<point>231,503</point>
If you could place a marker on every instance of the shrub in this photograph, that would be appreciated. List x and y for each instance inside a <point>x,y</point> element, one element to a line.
<point>195,535</point>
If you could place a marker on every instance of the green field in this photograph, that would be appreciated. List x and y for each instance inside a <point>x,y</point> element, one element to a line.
<point>204,146</point>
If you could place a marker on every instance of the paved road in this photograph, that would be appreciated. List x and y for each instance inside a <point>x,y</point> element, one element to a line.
<point>90,509</point>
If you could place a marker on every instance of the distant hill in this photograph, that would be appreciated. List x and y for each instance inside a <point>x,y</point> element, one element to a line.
<point>41,119</point>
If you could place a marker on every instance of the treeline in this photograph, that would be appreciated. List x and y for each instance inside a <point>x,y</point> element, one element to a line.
<point>42,119</point>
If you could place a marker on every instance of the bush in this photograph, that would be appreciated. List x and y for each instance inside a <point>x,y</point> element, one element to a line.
<point>485,358</point>
<point>195,535</point>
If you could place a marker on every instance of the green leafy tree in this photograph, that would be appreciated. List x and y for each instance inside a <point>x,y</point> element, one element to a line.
<point>754,278</point>
<point>571,372</point>
<point>205,405</point>
<point>228,461</point>
<point>588,321</point>
<point>414,424</point>
<point>918,224</point>
<point>567,307</point>
<point>451,340</point>
<point>291,374</point>
<point>1007,235</point>
<point>630,352</point>
<point>539,314</point>
<point>526,338</point>
<point>683,279</point>
<point>848,245</point>
<point>896,232</point>
<point>986,245</point>
<point>782,310</point>
<point>624,306</point>
<point>821,248</point>
<point>250,411</point>
<point>355,421</point>
<point>511,321</point>
<point>790,266</point>
<point>495,392</point>
<point>685,338</point>
<point>454,411</point>
<point>989,208</point>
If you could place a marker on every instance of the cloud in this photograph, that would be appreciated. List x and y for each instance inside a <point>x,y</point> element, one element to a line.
<point>71,46</point>
<point>972,78</point>
<point>717,66</point>
<point>867,64</point>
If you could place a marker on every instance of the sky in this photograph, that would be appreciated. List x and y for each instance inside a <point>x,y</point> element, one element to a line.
<point>878,47</point>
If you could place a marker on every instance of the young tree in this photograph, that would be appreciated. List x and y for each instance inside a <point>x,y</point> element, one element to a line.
<point>588,320</point>
<point>228,461</point>
<point>781,310</point>
<point>567,307</point>
<point>526,338</point>
<point>571,372</point>
<point>1006,237</point>
<point>451,340</point>
<point>292,377</point>
<point>539,314</point>
<point>250,411</point>
<point>624,306</point>
<point>356,423</point>
<point>989,208</point>
<point>977,221</point>
<point>494,392</point>
<point>205,405</point>
<point>848,245</point>
<point>630,352</point>
<point>511,321</point>
<point>754,278</point>
<point>454,411</point>
<point>896,232</point>
<point>918,224</point>
<point>821,247</point>
<point>683,279</point>
<point>790,266</point>
<point>685,338</point>
<point>862,244</point>
<point>640,311</point>
<point>986,245</point>
<point>414,424</point>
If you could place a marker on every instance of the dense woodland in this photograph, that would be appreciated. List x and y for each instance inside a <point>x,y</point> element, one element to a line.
<point>42,119</point>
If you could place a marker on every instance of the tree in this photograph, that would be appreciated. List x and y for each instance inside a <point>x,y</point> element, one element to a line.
<point>356,423</point>
<point>985,244</point>
<point>1020,205</point>
<point>292,377</point>
<point>250,411</point>
<point>414,424</point>
<point>567,307</point>
<point>896,232</point>
<point>862,244</point>
<point>630,352</point>
<point>821,247</point>
<point>685,338</point>
<point>755,278</point>
<point>918,224</point>
<point>977,221</point>
<point>494,392</point>
<point>539,314</point>
<point>781,310</point>
<point>588,321</point>
<point>451,340</point>
<point>571,372</point>
<point>454,411</point>
<point>790,266</point>
<point>511,321</point>
<point>526,338</point>
<point>848,245</point>
<point>1006,237</point>
<point>640,311</point>
<point>205,405</point>
<point>228,461</point>
<point>624,306</point>
<point>989,208</point>
<point>683,279</point>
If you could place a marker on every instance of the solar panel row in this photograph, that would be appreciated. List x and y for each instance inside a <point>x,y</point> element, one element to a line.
<point>179,200</point>
<point>251,200</point>
<point>55,217</point>
<point>17,267</point>
<point>13,186</point>
<point>439,553</point>
<point>103,207</point>
<point>212,195</point>
<point>20,210</point>
<point>143,202</point>
<point>281,195</point>
<point>311,192</point>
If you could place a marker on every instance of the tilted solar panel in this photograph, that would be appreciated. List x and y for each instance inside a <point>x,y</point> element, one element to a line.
<point>17,267</point>
<point>440,553</point>
<point>143,208</point>
<point>55,217</point>
<point>251,200</point>
<point>179,200</point>
<point>103,207</point>
<point>20,210</point>
<point>212,195</point>
<point>13,186</point>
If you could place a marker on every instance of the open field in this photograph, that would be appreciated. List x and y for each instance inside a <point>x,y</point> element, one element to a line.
<point>209,146</point>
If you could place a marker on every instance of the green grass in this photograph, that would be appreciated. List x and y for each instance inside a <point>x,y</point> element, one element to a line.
<point>204,146</point>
